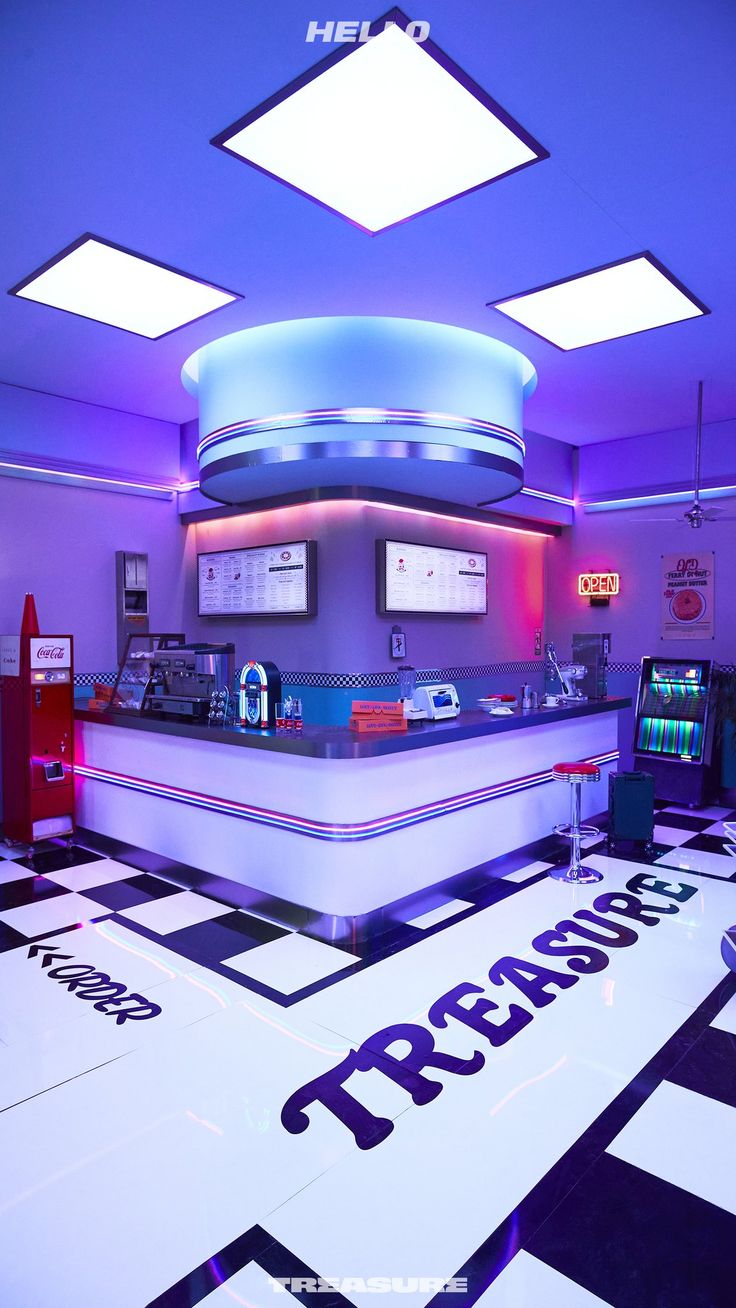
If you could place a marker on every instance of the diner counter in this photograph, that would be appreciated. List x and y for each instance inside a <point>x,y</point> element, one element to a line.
<point>337,823</point>
<point>341,742</point>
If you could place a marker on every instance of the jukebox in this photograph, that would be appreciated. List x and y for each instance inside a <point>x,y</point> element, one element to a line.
<point>672,736</point>
<point>260,691</point>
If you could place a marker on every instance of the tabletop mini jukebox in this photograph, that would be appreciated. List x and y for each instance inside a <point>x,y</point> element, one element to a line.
<point>37,707</point>
<point>260,691</point>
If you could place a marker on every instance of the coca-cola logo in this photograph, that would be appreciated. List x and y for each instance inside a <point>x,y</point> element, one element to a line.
<point>50,652</point>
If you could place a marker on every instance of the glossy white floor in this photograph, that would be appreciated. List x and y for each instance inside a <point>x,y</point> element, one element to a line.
<point>144,1156</point>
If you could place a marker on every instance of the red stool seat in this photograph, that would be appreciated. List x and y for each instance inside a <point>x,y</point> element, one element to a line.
<point>579,771</point>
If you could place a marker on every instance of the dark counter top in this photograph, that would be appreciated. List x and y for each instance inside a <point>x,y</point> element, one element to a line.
<point>341,742</point>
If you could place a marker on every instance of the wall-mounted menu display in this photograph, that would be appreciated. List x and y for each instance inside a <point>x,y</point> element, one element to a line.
<point>259,581</point>
<point>430,579</point>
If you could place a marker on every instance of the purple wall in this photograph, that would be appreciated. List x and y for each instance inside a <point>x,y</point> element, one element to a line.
<point>59,540</point>
<point>48,426</point>
<point>60,543</point>
<point>625,542</point>
<point>661,460</point>
<point>348,635</point>
<point>632,541</point>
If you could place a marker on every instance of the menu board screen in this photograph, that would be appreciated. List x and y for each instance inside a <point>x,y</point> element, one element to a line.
<point>430,579</point>
<point>275,580</point>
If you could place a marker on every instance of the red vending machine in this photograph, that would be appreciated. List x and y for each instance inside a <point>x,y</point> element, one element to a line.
<point>37,721</point>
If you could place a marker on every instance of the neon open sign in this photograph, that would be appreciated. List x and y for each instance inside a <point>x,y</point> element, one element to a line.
<point>598,583</point>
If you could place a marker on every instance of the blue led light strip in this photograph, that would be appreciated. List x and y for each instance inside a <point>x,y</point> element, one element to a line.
<point>338,831</point>
<point>97,479</point>
<point>547,495</point>
<point>664,497</point>
<point>372,417</point>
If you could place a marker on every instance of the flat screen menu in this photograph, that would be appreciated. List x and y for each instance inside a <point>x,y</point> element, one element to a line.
<point>276,580</point>
<point>430,579</point>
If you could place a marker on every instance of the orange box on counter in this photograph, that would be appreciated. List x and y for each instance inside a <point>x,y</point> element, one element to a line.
<point>377,708</point>
<point>377,715</point>
<point>377,724</point>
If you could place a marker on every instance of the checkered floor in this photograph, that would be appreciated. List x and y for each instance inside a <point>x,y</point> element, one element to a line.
<point>648,1224</point>
<point>60,889</point>
<point>603,1139</point>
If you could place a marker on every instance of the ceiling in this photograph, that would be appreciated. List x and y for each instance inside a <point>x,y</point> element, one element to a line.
<point>108,111</point>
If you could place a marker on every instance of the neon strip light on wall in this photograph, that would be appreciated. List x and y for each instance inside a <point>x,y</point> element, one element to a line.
<point>96,478</point>
<point>331,831</point>
<point>526,490</point>
<point>664,497</point>
<point>369,416</point>
<point>547,495</point>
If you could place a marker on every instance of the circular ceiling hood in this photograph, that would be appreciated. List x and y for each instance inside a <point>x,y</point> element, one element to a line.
<point>392,403</point>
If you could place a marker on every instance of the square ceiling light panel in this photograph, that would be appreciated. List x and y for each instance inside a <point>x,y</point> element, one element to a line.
<point>619,299</point>
<point>96,279</point>
<point>382,130</point>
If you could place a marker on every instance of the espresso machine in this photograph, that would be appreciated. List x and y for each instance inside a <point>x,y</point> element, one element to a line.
<point>184,681</point>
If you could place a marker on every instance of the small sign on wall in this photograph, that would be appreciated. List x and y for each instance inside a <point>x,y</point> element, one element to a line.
<point>9,656</point>
<point>688,594</point>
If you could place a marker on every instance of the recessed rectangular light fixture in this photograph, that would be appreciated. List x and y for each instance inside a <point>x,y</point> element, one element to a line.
<point>619,299</point>
<point>97,279</point>
<point>381,131</point>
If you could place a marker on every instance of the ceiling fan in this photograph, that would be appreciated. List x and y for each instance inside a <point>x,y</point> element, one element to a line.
<point>696,515</point>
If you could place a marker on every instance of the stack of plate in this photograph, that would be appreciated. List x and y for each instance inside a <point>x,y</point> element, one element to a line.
<point>490,702</point>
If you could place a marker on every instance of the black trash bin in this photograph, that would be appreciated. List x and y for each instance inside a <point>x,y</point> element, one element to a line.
<point>631,808</point>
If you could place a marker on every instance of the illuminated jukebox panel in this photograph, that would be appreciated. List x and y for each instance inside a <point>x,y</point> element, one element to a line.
<point>672,723</point>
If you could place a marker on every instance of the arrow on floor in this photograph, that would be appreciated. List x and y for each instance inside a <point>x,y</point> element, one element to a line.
<point>47,958</point>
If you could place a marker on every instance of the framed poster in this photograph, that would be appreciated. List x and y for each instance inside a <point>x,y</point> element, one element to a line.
<point>687,596</point>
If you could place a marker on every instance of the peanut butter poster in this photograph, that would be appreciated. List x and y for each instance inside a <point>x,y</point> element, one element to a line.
<point>688,596</point>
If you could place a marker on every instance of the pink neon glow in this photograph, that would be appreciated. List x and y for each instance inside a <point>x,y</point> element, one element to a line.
<point>103,929</point>
<point>447,517</point>
<point>203,1122</point>
<point>264,515</point>
<point>327,829</point>
<point>337,1052</point>
<point>524,1085</point>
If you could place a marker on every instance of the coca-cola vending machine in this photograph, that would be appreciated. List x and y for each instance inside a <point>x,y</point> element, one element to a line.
<point>37,721</point>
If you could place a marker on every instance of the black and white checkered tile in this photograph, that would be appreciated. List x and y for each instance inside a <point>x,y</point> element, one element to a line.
<point>640,1211</point>
<point>692,840</point>
<point>653,1220</point>
<point>261,949</point>
<point>59,889</point>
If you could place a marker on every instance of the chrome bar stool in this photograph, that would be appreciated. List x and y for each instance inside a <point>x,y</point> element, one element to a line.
<point>576,775</point>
